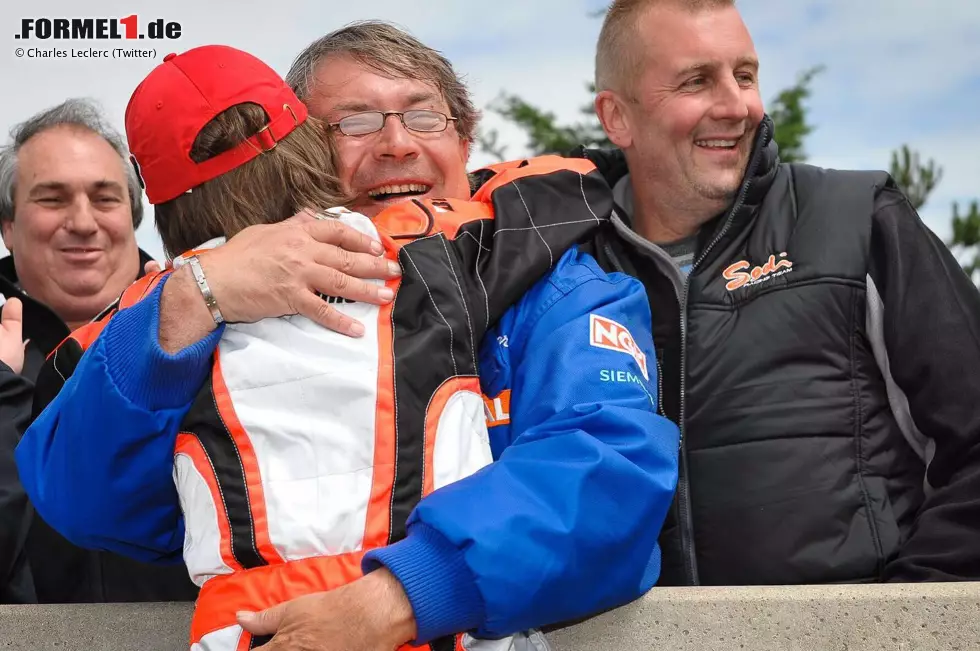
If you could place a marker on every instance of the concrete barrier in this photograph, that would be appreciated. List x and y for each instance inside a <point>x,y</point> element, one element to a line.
<point>920,617</point>
<point>923,617</point>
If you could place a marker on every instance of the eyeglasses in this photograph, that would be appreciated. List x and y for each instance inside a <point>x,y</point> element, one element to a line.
<point>361,124</point>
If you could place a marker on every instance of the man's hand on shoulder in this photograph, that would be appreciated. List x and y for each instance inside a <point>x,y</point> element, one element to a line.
<point>273,270</point>
<point>370,614</point>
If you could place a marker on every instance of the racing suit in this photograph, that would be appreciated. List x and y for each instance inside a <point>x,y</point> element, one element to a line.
<point>301,457</point>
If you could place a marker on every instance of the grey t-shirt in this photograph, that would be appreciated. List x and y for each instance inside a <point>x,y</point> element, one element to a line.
<point>680,251</point>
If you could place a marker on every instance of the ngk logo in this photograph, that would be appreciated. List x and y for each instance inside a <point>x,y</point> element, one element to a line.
<point>78,29</point>
<point>606,333</point>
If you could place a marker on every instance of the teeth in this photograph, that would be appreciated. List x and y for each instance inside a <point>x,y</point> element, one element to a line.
<point>398,189</point>
<point>716,143</point>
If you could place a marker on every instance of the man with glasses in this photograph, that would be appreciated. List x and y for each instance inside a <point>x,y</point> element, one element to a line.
<point>574,546</point>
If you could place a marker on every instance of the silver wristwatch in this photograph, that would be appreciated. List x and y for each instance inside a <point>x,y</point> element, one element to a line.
<point>202,284</point>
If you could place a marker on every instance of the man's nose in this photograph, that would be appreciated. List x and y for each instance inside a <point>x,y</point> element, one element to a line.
<point>730,103</point>
<point>80,219</point>
<point>395,141</point>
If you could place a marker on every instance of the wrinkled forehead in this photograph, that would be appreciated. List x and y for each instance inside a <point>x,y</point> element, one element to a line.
<point>343,84</point>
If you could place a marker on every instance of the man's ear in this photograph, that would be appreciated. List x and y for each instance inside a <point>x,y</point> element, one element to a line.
<point>466,149</point>
<point>611,111</point>
<point>6,232</point>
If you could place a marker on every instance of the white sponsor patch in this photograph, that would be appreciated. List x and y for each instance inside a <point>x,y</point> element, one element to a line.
<point>608,334</point>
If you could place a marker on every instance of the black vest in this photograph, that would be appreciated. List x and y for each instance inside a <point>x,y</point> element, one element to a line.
<point>793,468</point>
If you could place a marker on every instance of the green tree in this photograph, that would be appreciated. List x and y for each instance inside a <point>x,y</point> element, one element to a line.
<point>545,135</point>
<point>966,238</point>
<point>789,117</point>
<point>916,180</point>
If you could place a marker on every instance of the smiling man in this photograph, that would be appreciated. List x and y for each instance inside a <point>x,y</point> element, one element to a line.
<point>340,79</point>
<point>68,218</point>
<point>818,345</point>
<point>69,206</point>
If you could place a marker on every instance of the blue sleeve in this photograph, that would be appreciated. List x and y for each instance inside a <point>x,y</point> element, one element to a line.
<point>97,463</point>
<point>564,523</point>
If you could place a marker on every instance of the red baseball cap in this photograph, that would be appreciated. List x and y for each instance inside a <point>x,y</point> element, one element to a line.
<point>170,107</point>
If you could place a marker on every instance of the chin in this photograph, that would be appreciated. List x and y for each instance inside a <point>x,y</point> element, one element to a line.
<point>718,191</point>
<point>82,290</point>
<point>86,284</point>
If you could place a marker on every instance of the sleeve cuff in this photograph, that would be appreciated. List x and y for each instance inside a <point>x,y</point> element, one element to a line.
<point>436,579</point>
<point>143,372</point>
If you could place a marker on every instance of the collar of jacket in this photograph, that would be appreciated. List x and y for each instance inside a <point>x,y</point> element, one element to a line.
<point>42,326</point>
<point>759,174</point>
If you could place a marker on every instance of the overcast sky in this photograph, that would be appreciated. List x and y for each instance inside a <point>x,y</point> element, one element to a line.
<point>897,71</point>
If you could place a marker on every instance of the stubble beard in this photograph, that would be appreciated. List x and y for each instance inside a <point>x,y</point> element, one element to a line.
<point>721,185</point>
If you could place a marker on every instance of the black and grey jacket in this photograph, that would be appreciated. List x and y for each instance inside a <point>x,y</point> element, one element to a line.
<point>823,362</point>
<point>37,563</point>
<point>16,585</point>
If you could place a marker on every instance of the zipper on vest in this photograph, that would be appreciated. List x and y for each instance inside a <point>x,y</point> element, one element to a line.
<point>686,523</point>
<point>667,267</point>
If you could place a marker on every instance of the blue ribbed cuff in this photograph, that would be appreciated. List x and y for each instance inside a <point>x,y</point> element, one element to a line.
<point>434,575</point>
<point>143,372</point>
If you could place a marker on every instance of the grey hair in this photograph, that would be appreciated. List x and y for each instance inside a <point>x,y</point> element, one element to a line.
<point>80,113</point>
<point>391,51</point>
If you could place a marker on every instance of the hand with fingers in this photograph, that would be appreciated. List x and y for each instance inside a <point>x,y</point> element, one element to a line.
<point>275,270</point>
<point>272,270</point>
<point>12,342</point>
<point>370,614</point>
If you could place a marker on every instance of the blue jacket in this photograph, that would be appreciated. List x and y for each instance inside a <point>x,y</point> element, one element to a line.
<point>564,524</point>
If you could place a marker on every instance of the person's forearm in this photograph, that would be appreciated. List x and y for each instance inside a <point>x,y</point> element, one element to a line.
<point>390,607</point>
<point>184,317</point>
<point>571,508</point>
<point>98,465</point>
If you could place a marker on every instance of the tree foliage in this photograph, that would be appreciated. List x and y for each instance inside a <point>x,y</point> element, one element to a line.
<point>916,180</point>
<point>544,134</point>
<point>966,238</point>
<point>789,115</point>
